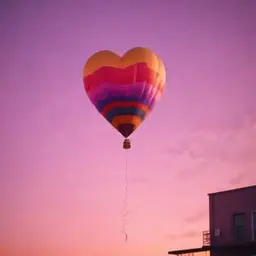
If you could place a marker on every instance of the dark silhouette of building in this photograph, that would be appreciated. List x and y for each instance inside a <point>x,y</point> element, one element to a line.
<point>232,221</point>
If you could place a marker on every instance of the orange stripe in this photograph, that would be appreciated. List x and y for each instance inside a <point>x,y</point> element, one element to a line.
<point>133,56</point>
<point>110,106</point>
<point>136,121</point>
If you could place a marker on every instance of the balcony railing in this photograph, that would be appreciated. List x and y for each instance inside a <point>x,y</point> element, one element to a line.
<point>206,238</point>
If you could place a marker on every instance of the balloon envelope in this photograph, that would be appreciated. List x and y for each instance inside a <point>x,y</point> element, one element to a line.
<point>124,89</point>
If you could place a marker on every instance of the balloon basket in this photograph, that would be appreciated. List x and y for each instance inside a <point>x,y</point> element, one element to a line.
<point>127,144</point>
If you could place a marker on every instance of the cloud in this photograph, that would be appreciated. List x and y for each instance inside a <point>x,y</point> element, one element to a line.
<point>138,180</point>
<point>238,179</point>
<point>185,235</point>
<point>196,217</point>
<point>227,146</point>
<point>212,159</point>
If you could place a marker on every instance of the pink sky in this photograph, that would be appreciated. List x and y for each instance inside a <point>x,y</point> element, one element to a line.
<point>62,165</point>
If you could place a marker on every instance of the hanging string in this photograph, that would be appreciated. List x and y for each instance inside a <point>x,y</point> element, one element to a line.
<point>125,210</point>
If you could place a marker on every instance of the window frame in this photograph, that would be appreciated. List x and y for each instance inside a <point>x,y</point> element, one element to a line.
<point>253,213</point>
<point>234,234</point>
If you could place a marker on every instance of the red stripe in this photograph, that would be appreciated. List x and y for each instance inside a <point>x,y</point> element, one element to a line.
<point>135,73</point>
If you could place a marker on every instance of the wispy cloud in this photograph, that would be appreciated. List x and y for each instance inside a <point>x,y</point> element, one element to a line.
<point>231,145</point>
<point>196,217</point>
<point>185,235</point>
<point>138,180</point>
<point>238,179</point>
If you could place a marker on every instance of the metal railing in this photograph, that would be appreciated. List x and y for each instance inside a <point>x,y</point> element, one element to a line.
<point>206,238</point>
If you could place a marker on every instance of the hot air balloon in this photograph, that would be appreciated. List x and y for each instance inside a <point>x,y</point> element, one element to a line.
<point>124,89</point>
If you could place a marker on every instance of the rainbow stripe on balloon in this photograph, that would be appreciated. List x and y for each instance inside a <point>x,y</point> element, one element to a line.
<point>124,89</point>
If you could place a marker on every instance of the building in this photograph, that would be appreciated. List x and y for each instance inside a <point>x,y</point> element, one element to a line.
<point>232,229</point>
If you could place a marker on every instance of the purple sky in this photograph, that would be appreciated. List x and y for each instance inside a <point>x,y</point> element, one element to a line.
<point>62,165</point>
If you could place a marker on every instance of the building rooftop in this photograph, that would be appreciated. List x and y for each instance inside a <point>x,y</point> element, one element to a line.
<point>232,190</point>
<point>193,250</point>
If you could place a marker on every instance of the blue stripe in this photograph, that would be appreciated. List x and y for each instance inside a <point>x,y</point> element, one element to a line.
<point>145,101</point>
<point>122,111</point>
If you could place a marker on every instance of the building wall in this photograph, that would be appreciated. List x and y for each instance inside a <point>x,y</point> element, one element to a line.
<point>223,205</point>
<point>234,252</point>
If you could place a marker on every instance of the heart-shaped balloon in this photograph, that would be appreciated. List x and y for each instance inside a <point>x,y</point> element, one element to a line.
<point>124,89</point>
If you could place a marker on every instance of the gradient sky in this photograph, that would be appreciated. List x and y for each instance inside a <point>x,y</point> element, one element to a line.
<point>62,165</point>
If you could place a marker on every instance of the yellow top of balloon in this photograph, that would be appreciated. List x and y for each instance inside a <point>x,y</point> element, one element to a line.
<point>133,56</point>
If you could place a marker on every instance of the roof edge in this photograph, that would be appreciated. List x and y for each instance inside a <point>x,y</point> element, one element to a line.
<point>192,250</point>
<point>231,190</point>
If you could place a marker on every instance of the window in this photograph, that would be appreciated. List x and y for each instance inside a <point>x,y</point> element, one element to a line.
<point>239,227</point>
<point>254,225</point>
